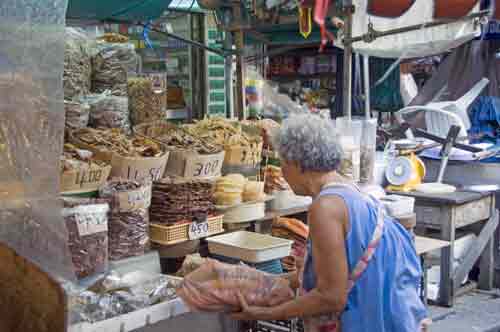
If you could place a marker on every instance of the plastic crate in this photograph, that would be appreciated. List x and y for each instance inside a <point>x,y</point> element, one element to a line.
<point>168,235</point>
<point>292,325</point>
<point>274,266</point>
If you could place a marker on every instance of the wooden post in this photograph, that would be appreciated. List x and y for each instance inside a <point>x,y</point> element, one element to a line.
<point>347,80</point>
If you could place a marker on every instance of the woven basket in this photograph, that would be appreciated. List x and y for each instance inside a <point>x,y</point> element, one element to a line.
<point>168,235</point>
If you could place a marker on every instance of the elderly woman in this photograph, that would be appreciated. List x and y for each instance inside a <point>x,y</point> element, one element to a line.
<point>361,272</point>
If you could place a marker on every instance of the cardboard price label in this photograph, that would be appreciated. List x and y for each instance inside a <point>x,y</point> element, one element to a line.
<point>91,223</point>
<point>138,169</point>
<point>204,166</point>
<point>198,230</point>
<point>135,199</point>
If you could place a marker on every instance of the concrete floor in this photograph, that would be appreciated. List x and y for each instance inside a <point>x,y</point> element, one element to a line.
<point>473,312</point>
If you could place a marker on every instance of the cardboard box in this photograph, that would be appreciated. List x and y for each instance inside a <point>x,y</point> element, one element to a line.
<point>84,180</point>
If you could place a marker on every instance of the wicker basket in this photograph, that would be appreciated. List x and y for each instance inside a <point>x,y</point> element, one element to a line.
<point>168,235</point>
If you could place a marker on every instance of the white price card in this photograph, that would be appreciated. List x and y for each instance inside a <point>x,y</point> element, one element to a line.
<point>198,230</point>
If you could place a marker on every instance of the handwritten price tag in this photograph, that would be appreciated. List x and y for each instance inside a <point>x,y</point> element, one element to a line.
<point>198,230</point>
<point>91,223</point>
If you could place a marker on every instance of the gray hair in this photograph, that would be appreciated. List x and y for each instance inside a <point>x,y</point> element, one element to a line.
<point>311,141</point>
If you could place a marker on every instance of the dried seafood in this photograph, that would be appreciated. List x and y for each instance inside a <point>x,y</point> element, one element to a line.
<point>109,112</point>
<point>177,200</point>
<point>223,132</point>
<point>77,115</point>
<point>113,140</point>
<point>77,64</point>
<point>128,226</point>
<point>88,237</point>
<point>74,158</point>
<point>111,67</point>
<point>112,37</point>
<point>144,103</point>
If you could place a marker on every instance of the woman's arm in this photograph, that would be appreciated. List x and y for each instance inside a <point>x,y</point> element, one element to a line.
<point>328,220</point>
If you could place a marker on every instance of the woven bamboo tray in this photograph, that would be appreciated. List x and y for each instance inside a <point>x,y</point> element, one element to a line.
<point>168,235</point>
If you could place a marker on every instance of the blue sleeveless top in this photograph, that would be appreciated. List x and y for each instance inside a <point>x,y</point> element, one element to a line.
<point>386,297</point>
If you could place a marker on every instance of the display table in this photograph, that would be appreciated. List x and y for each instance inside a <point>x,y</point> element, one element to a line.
<point>449,213</point>
<point>424,246</point>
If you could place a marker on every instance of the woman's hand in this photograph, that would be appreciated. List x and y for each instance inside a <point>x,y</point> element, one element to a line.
<point>250,313</point>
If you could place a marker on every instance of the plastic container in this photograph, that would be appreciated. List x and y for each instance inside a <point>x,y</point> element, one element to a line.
<point>250,247</point>
<point>244,213</point>
<point>398,205</point>
<point>368,150</point>
<point>349,136</point>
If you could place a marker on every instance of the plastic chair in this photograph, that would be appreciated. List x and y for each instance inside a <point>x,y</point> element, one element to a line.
<point>440,116</point>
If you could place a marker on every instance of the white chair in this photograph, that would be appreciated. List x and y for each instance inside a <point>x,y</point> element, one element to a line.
<point>440,116</point>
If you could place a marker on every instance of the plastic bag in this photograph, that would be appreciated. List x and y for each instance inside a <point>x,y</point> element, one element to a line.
<point>31,134</point>
<point>214,287</point>
<point>77,64</point>
<point>368,151</point>
<point>349,136</point>
<point>77,115</point>
<point>112,65</point>
<point>88,237</point>
<point>145,104</point>
<point>129,218</point>
<point>108,111</point>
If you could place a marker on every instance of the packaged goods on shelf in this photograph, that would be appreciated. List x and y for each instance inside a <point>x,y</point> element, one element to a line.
<point>128,222</point>
<point>144,103</point>
<point>77,64</point>
<point>77,114</point>
<point>87,224</point>
<point>116,295</point>
<point>176,200</point>
<point>112,65</point>
<point>107,111</point>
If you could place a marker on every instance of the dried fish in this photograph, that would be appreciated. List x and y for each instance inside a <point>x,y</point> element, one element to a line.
<point>112,37</point>
<point>74,158</point>
<point>77,115</point>
<point>128,228</point>
<point>77,64</point>
<point>177,137</point>
<point>144,103</point>
<point>109,112</point>
<point>111,66</point>
<point>179,200</point>
<point>114,140</point>
<point>223,132</point>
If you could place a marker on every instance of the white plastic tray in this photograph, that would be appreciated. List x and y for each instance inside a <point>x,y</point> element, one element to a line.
<point>249,247</point>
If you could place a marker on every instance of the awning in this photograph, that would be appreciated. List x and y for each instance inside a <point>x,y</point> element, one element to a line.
<point>129,10</point>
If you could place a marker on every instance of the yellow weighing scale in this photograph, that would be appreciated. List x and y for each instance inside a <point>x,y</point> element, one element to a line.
<point>407,171</point>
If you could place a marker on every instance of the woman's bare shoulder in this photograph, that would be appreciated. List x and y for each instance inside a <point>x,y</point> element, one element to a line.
<point>327,208</point>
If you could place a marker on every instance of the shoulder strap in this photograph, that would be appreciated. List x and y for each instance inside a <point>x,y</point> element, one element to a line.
<point>376,236</point>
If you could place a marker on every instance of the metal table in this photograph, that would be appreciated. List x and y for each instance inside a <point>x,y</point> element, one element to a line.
<point>449,213</point>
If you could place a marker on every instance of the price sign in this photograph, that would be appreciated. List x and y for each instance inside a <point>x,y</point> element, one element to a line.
<point>198,230</point>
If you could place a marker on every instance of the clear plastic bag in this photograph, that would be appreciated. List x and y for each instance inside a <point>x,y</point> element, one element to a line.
<point>145,104</point>
<point>77,115</point>
<point>368,151</point>
<point>108,111</point>
<point>77,64</point>
<point>129,218</point>
<point>214,287</point>
<point>31,132</point>
<point>112,66</point>
<point>88,237</point>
